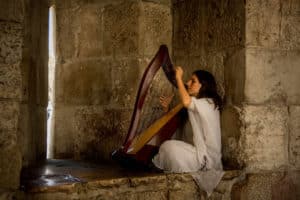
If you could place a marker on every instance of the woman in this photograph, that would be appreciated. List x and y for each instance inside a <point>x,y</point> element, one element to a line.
<point>203,155</point>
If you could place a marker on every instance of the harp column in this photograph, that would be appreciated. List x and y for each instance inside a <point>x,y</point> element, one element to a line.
<point>103,50</point>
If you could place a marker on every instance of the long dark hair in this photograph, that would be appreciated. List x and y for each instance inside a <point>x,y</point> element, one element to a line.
<point>208,88</point>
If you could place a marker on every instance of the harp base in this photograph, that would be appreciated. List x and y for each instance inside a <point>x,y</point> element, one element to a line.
<point>142,160</point>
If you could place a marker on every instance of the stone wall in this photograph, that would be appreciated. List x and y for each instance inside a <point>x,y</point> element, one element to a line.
<point>103,48</point>
<point>11,43</point>
<point>23,88</point>
<point>32,128</point>
<point>270,132</point>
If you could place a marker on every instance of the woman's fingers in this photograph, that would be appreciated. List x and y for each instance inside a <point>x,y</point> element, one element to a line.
<point>165,101</point>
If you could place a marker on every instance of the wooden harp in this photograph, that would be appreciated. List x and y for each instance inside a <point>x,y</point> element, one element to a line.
<point>136,145</point>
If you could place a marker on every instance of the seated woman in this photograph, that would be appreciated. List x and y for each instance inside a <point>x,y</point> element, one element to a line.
<point>202,155</point>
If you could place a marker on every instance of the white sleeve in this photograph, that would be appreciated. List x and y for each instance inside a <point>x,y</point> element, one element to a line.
<point>192,106</point>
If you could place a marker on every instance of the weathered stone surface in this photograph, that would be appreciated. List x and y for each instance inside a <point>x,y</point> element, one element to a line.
<point>10,166</point>
<point>106,128</point>
<point>110,183</point>
<point>9,115</point>
<point>84,83</point>
<point>64,132</point>
<point>156,28</point>
<point>10,195</point>
<point>289,35</point>
<point>265,186</point>
<point>162,2</point>
<point>12,10</point>
<point>10,81</point>
<point>230,126</point>
<point>90,36</point>
<point>180,181</point>
<point>294,137</point>
<point>188,19</point>
<point>152,183</point>
<point>160,195</point>
<point>66,37</point>
<point>121,29</point>
<point>234,77</point>
<point>10,42</point>
<point>271,76</point>
<point>27,145</point>
<point>126,76</point>
<point>182,186</point>
<point>272,24</point>
<point>207,25</point>
<point>90,132</point>
<point>263,137</point>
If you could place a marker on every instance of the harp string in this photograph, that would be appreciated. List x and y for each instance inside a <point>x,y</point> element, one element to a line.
<point>152,110</point>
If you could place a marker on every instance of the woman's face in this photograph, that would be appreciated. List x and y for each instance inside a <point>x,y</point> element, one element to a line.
<point>193,86</point>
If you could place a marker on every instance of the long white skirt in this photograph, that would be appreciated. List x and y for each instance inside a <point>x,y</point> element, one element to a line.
<point>177,156</point>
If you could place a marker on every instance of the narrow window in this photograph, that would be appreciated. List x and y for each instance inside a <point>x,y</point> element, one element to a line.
<point>51,85</point>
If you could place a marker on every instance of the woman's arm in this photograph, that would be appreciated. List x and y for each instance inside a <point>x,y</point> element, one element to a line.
<point>184,95</point>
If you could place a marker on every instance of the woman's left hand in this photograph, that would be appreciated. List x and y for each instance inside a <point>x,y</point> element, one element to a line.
<point>178,73</point>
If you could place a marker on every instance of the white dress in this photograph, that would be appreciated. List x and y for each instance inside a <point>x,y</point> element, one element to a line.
<point>202,158</point>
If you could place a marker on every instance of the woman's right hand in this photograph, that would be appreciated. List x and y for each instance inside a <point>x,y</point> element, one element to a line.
<point>165,102</point>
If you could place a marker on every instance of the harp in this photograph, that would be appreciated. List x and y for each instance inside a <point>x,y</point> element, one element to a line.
<point>142,145</point>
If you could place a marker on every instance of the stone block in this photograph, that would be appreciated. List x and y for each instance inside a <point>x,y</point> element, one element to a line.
<point>272,76</point>
<point>91,132</point>
<point>90,34</point>
<point>272,24</point>
<point>126,76</point>
<point>121,29</point>
<point>10,81</point>
<point>12,10</point>
<point>84,83</point>
<point>263,137</point>
<point>156,28</point>
<point>289,34</point>
<point>159,195</point>
<point>40,132</point>
<point>11,41</point>
<point>188,28</point>
<point>149,183</point>
<point>100,131</point>
<point>66,30</point>
<point>263,23</point>
<point>181,182</point>
<point>178,195</point>
<point>294,137</point>
<point>225,25</point>
<point>234,75</point>
<point>24,133</point>
<point>64,131</point>
<point>161,2</point>
<point>9,115</point>
<point>10,166</point>
<point>230,126</point>
<point>202,27</point>
<point>265,186</point>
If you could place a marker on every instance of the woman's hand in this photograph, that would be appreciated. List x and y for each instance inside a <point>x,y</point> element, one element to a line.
<point>183,93</point>
<point>165,102</point>
<point>178,73</point>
